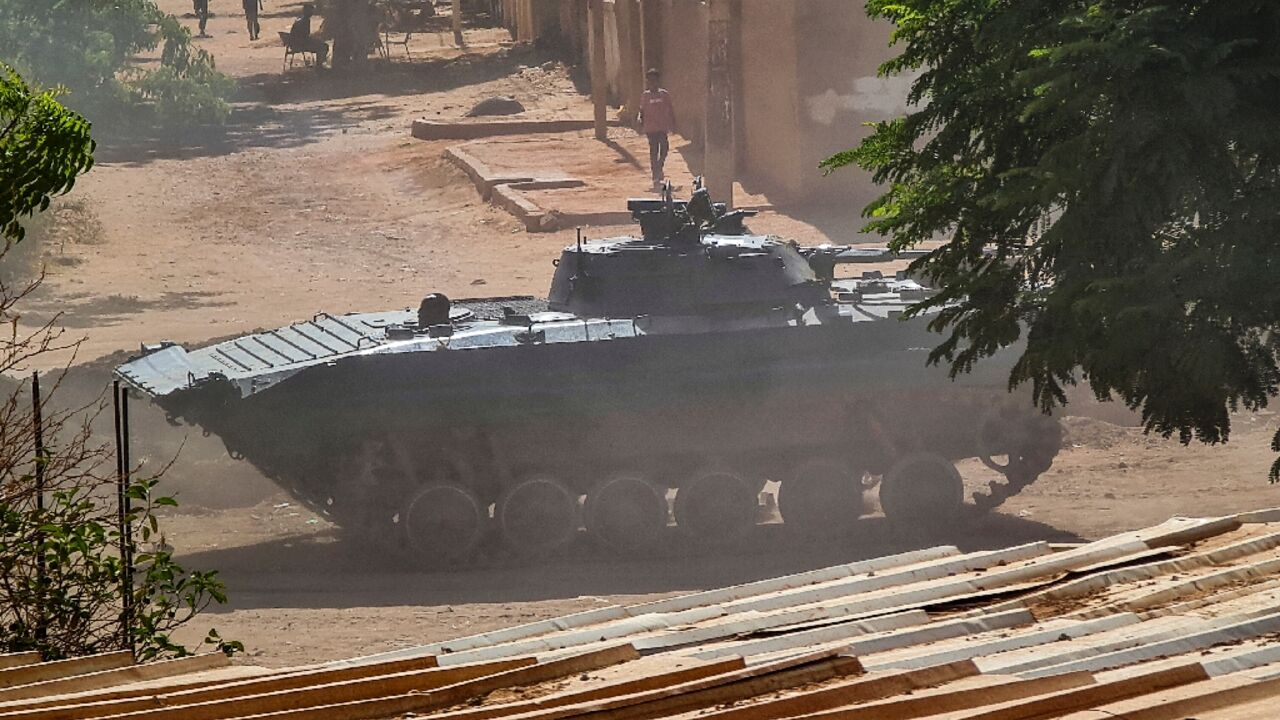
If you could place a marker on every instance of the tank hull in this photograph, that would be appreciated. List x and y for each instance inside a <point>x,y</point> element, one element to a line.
<point>758,401</point>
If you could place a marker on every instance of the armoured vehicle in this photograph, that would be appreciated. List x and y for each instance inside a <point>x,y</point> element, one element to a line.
<point>696,360</point>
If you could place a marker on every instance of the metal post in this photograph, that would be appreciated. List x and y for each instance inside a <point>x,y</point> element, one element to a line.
<point>651,34</point>
<point>42,580</point>
<point>718,140</point>
<point>457,22</point>
<point>631,69</point>
<point>599,74</point>
<point>120,402</point>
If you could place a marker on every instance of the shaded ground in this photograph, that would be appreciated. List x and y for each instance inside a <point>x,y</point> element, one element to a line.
<point>315,198</point>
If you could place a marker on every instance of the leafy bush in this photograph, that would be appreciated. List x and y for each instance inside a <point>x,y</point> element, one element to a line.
<point>43,146</point>
<point>91,47</point>
<point>62,577</point>
<point>1106,176</point>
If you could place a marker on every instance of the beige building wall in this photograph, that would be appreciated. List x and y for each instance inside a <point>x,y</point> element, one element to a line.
<point>806,79</point>
<point>839,91</point>
<point>768,113</point>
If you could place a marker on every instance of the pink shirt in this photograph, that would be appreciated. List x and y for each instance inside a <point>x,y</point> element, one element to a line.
<point>657,114</point>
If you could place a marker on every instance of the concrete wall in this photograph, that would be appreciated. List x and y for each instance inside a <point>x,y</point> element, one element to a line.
<point>684,63</point>
<point>806,80</point>
<point>768,111</point>
<point>532,20</point>
<point>839,91</point>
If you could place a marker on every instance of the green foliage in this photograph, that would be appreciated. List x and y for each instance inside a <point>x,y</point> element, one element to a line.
<point>43,147</point>
<point>92,47</point>
<point>63,583</point>
<point>1106,174</point>
<point>61,573</point>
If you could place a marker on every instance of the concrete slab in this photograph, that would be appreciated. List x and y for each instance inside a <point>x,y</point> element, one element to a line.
<point>475,128</point>
<point>553,180</point>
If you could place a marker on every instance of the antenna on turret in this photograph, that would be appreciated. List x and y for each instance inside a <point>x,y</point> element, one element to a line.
<point>579,254</point>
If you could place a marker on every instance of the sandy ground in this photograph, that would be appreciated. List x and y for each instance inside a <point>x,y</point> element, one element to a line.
<point>315,198</point>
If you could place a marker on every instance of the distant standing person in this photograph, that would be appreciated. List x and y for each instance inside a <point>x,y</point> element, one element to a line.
<point>251,8</point>
<point>201,8</point>
<point>300,34</point>
<point>657,121</point>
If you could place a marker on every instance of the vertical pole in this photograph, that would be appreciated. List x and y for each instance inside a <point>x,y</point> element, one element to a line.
<point>122,519</point>
<point>128,511</point>
<point>718,140</point>
<point>42,580</point>
<point>651,34</point>
<point>599,76</point>
<point>457,22</point>
<point>632,54</point>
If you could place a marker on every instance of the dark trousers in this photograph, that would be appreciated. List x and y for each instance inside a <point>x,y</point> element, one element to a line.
<point>658,149</point>
<point>201,8</point>
<point>251,19</point>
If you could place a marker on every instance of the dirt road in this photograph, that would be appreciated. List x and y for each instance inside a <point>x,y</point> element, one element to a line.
<point>316,198</point>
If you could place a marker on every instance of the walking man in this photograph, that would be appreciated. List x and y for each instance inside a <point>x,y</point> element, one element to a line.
<point>201,8</point>
<point>251,8</point>
<point>657,121</point>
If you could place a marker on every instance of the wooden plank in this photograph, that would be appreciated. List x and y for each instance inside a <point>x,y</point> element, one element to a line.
<point>773,585</point>
<point>229,674</point>
<point>665,699</point>
<point>495,637</point>
<point>682,699</point>
<point>861,690</point>
<point>806,668</point>
<point>558,631</point>
<point>1019,662</point>
<point>940,702</point>
<point>395,673</point>
<point>388,705</point>
<point>974,646</point>
<point>874,642</point>
<point>626,687</point>
<point>1198,700</point>
<point>18,659</point>
<point>1192,530</point>
<point>1191,641</point>
<point>727,631</point>
<point>1061,703</point>
<point>40,672</point>
<point>118,676</point>
<point>574,640</point>
<point>872,581</point>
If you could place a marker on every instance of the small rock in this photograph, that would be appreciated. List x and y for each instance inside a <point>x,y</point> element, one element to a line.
<point>502,105</point>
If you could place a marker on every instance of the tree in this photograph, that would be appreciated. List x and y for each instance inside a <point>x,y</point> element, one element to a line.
<point>91,48</point>
<point>43,147</point>
<point>1106,175</point>
<point>62,578</point>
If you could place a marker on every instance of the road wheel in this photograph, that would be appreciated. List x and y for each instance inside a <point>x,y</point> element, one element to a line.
<point>922,487</point>
<point>822,496</point>
<point>538,515</point>
<point>443,522</point>
<point>716,506</point>
<point>626,512</point>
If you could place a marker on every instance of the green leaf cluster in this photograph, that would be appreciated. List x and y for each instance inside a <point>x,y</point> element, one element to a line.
<point>1106,176</point>
<point>94,49</point>
<point>43,147</point>
<point>61,590</point>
